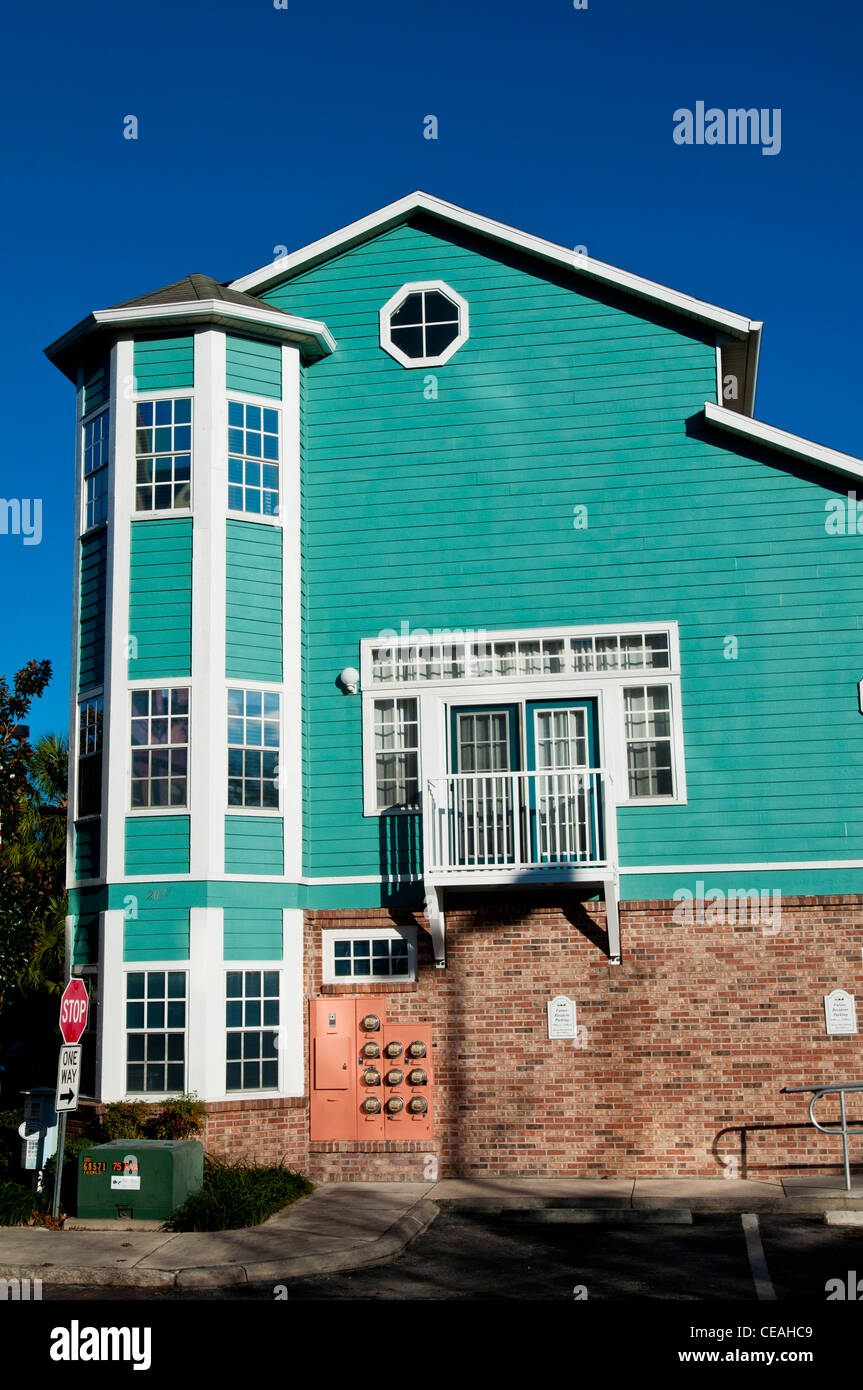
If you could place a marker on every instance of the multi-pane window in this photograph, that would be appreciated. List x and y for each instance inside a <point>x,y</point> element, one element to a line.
<point>253,459</point>
<point>160,747</point>
<point>90,756</point>
<point>96,447</point>
<point>430,659</point>
<point>252,1021</point>
<point>253,748</point>
<point>156,1030</point>
<point>396,743</point>
<point>365,957</point>
<point>647,712</point>
<point>163,449</point>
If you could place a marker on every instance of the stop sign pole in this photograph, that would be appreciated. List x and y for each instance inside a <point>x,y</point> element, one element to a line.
<point>74,1004</point>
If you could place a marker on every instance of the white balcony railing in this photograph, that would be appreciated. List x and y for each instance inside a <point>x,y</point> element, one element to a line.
<point>483,823</point>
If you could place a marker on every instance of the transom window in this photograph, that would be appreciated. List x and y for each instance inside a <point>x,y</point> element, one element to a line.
<point>428,659</point>
<point>253,459</point>
<point>163,449</point>
<point>378,953</point>
<point>647,712</point>
<point>252,1020</point>
<point>96,449</point>
<point>160,747</point>
<point>253,748</point>
<point>424,323</point>
<point>396,733</point>
<point>156,1030</point>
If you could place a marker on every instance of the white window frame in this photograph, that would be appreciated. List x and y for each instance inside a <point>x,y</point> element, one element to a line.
<point>370,778</point>
<point>258,688</point>
<point>138,967</point>
<point>86,700</point>
<point>266,403</point>
<point>413,287</point>
<point>333,934</point>
<point>176,393</point>
<point>105,468</point>
<point>437,697</point>
<point>263,967</point>
<point>136,688</point>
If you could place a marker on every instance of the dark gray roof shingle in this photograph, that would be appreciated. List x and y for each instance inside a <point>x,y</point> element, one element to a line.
<point>194,287</point>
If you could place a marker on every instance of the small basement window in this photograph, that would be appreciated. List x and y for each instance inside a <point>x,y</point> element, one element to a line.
<point>423,324</point>
<point>373,953</point>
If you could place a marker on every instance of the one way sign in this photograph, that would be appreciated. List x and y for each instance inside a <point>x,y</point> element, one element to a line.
<point>68,1077</point>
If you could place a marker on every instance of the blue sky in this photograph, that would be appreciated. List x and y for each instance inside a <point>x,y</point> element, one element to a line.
<point>261,127</point>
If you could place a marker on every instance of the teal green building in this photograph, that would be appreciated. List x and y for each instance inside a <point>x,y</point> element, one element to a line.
<point>430,560</point>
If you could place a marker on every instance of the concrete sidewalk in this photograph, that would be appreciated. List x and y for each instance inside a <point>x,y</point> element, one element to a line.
<point>353,1225</point>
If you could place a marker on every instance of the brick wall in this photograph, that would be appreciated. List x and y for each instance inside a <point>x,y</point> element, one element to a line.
<point>682,1051</point>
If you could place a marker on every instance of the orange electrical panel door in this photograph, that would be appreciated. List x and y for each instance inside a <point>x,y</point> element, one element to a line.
<point>333,1062</point>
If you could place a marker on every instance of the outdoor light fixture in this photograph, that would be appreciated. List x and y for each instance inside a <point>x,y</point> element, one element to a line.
<point>350,680</point>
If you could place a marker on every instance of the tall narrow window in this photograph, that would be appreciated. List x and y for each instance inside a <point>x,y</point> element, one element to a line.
<point>163,448</point>
<point>160,747</point>
<point>90,756</point>
<point>253,459</point>
<point>156,1030</point>
<point>96,446</point>
<point>647,710</point>
<point>253,748</point>
<point>252,1020</point>
<point>396,754</point>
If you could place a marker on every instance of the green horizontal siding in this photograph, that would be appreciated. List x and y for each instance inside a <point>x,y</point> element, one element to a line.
<point>254,845</point>
<point>253,601</point>
<point>91,636</point>
<point>253,933</point>
<point>456,512</point>
<point>254,368</point>
<point>160,598</point>
<point>157,844</point>
<point>161,364</point>
<point>85,939</point>
<point>87,849</point>
<point>157,933</point>
<point>97,386</point>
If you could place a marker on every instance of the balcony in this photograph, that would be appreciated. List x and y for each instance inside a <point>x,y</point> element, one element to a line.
<point>511,827</point>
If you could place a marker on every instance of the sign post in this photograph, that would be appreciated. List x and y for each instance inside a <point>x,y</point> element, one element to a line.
<point>74,1003</point>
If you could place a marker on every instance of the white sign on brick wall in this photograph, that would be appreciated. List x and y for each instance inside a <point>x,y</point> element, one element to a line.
<point>561,1017</point>
<point>840,1011</point>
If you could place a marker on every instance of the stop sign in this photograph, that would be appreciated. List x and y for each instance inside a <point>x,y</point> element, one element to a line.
<point>73,1011</point>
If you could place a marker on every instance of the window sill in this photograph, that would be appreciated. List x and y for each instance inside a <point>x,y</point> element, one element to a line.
<point>370,987</point>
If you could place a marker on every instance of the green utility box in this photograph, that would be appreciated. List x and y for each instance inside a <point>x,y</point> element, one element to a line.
<point>144,1178</point>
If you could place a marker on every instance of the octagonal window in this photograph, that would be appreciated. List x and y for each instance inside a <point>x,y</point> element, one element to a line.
<point>423,324</point>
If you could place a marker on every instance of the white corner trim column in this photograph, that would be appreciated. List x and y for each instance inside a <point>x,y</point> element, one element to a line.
<point>292,1064</point>
<point>115,760</point>
<point>111,1031</point>
<point>208,779</point>
<point>205,1071</point>
<point>290,761</point>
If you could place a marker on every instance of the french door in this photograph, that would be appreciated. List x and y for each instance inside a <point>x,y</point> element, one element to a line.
<point>563,795</point>
<point>485,748</point>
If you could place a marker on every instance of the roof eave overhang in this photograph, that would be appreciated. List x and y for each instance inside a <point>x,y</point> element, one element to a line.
<point>755,431</point>
<point>310,335</point>
<point>395,213</point>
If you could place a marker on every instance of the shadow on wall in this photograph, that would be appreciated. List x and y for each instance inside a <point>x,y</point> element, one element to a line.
<point>732,1149</point>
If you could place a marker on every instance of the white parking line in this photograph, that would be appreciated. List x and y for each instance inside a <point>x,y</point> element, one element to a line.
<point>757,1263</point>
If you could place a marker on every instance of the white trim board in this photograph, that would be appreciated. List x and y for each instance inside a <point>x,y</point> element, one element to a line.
<point>394,213</point>
<point>782,440</point>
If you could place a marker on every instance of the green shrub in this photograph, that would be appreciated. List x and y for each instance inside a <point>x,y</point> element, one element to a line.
<point>17,1204</point>
<point>181,1118</point>
<point>238,1194</point>
<point>125,1119</point>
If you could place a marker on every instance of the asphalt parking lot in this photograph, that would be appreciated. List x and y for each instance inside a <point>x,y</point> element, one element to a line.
<point>469,1256</point>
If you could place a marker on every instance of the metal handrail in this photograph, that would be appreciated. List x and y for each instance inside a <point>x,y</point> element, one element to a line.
<point>841,1087</point>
